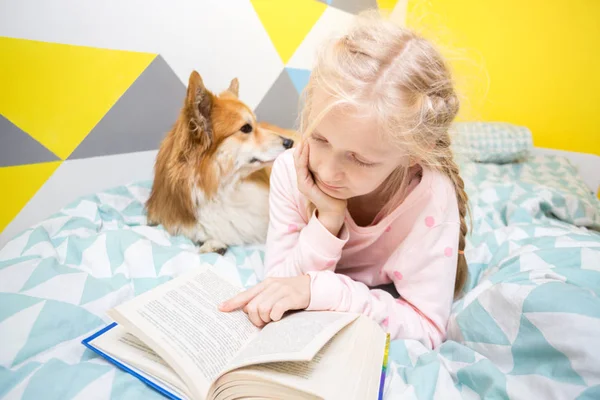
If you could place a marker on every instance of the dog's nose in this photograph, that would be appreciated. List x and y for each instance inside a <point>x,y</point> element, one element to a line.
<point>288,143</point>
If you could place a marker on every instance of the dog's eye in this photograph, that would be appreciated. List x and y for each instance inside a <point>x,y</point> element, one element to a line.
<point>246,128</point>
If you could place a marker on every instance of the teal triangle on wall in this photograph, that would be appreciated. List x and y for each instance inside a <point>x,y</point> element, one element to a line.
<point>299,78</point>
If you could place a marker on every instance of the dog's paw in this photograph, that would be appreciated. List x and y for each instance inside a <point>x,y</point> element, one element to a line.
<point>213,246</point>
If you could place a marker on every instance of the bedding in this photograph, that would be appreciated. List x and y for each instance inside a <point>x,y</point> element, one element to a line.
<point>528,324</point>
<point>495,142</point>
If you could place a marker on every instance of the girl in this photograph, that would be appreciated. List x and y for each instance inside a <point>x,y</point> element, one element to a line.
<point>372,195</point>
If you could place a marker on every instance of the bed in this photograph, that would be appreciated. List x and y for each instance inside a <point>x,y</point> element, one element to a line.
<point>527,326</point>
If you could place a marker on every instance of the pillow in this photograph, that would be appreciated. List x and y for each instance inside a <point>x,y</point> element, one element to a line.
<point>492,142</point>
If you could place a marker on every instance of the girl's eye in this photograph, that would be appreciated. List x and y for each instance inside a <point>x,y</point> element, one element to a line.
<point>318,139</point>
<point>246,128</point>
<point>360,163</point>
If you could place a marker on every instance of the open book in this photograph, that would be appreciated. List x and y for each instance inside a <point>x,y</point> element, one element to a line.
<point>175,339</point>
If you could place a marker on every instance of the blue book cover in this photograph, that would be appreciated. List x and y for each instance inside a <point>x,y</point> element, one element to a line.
<point>155,384</point>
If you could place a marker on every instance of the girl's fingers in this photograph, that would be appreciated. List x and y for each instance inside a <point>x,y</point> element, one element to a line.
<point>306,181</point>
<point>242,299</point>
<point>252,307</point>
<point>299,153</point>
<point>255,318</point>
<point>263,303</point>
<point>283,304</point>
<point>305,154</point>
<point>302,171</point>
<point>270,305</point>
<point>304,159</point>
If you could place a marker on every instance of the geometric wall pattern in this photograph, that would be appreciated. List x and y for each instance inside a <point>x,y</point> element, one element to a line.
<point>84,82</point>
<point>139,119</point>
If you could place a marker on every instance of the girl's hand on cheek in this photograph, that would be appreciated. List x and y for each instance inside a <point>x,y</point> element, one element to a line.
<point>330,211</point>
<point>270,299</point>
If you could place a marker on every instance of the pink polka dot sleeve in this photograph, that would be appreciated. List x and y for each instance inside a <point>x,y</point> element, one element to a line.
<point>423,270</point>
<point>295,244</point>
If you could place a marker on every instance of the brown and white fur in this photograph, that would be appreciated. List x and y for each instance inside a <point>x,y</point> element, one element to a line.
<point>211,176</point>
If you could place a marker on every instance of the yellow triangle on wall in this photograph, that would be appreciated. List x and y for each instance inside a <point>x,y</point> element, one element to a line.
<point>387,5</point>
<point>19,184</point>
<point>287,22</point>
<point>57,93</point>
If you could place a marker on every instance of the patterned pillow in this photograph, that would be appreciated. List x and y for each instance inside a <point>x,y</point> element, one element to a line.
<point>491,142</point>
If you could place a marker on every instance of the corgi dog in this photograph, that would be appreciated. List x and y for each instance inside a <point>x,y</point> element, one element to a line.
<point>211,175</point>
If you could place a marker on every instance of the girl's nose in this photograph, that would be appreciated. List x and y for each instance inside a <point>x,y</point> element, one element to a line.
<point>332,173</point>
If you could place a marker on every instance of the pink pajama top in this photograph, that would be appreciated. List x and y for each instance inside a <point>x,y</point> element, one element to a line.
<point>414,248</point>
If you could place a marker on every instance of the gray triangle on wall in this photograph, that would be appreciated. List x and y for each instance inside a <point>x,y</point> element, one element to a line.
<point>353,6</point>
<point>280,104</point>
<point>141,118</point>
<point>18,148</point>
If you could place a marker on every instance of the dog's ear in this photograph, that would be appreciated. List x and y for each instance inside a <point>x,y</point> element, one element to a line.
<point>199,103</point>
<point>234,87</point>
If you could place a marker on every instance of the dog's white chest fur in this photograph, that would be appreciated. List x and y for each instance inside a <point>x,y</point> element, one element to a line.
<point>238,214</point>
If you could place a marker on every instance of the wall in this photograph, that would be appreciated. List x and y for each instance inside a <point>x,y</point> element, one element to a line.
<point>90,88</point>
<point>533,63</point>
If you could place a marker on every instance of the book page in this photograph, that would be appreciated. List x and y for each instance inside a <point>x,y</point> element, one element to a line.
<point>253,388</point>
<point>180,320</point>
<point>297,336</point>
<point>125,347</point>
<point>347,367</point>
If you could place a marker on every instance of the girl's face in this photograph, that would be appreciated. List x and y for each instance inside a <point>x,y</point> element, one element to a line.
<point>348,158</point>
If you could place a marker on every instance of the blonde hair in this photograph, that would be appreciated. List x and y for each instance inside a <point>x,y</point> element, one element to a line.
<point>401,78</point>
